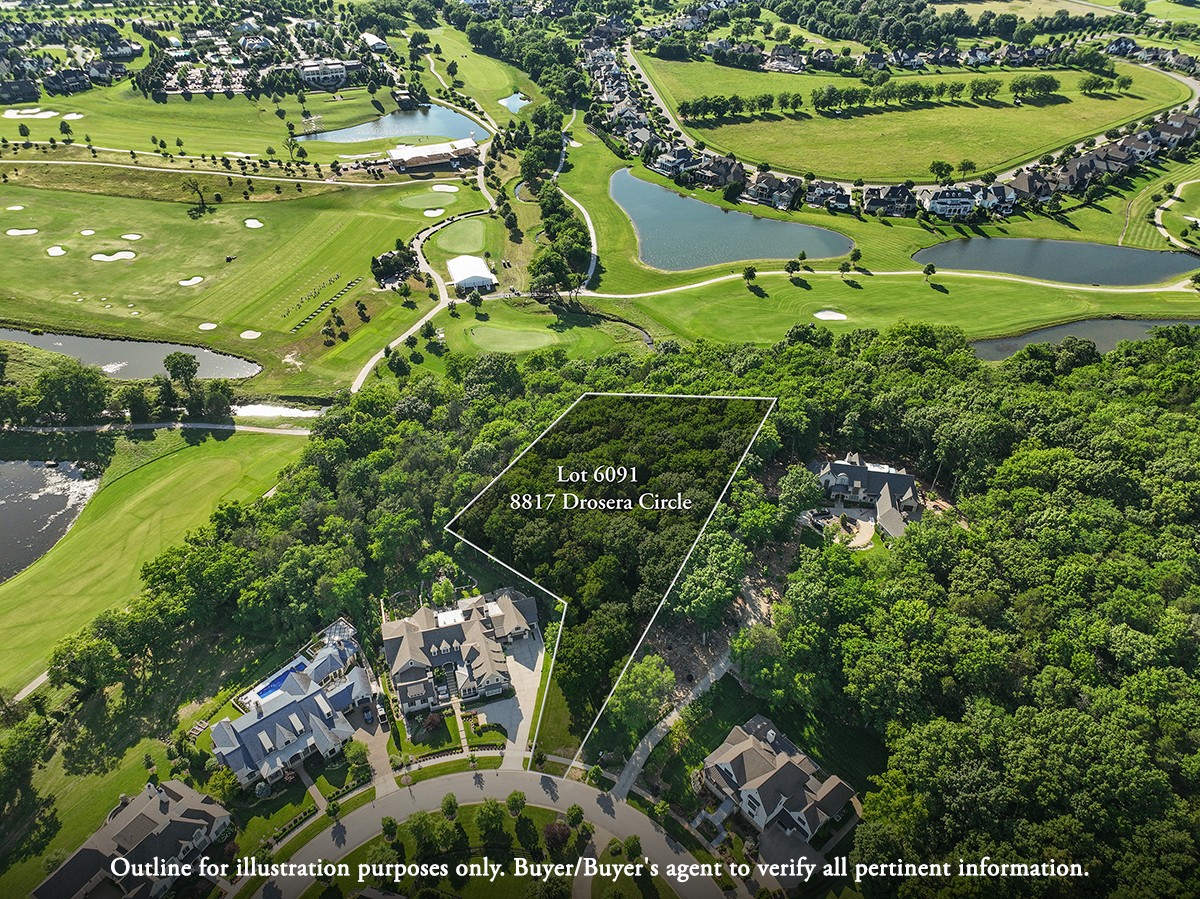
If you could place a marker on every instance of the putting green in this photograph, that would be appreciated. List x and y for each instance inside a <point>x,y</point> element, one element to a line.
<point>501,339</point>
<point>464,236</point>
<point>427,199</point>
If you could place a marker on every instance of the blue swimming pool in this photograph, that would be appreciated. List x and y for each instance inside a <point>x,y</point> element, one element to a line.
<point>273,685</point>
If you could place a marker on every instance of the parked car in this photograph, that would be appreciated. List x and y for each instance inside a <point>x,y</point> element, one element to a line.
<point>368,715</point>
<point>381,713</point>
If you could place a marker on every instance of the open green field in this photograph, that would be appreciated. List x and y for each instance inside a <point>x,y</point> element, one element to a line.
<point>521,326</point>
<point>305,251</point>
<point>1164,9</point>
<point>164,484</point>
<point>120,117</point>
<point>483,78</point>
<point>995,134</point>
<point>1024,9</point>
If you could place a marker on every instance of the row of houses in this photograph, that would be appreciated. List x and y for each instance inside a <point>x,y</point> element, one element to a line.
<point>694,19</point>
<point>798,59</point>
<point>1127,47</point>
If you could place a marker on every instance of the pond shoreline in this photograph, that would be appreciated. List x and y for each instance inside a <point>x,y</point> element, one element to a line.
<point>1000,352</point>
<point>68,330</point>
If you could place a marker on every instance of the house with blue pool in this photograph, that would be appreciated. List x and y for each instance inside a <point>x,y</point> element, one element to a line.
<point>297,712</point>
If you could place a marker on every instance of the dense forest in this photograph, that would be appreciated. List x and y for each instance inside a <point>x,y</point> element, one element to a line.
<point>1030,658</point>
<point>615,564</point>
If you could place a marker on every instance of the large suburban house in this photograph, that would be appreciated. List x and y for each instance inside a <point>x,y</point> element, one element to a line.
<point>892,492</point>
<point>435,654</point>
<point>298,712</point>
<point>168,821</point>
<point>776,786</point>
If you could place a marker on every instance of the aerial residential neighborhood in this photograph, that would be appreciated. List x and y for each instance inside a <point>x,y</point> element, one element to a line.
<point>633,449</point>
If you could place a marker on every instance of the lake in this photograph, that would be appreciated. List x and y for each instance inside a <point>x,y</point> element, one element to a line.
<point>428,121</point>
<point>133,358</point>
<point>1105,333</point>
<point>1068,261</point>
<point>38,504</point>
<point>676,233</point>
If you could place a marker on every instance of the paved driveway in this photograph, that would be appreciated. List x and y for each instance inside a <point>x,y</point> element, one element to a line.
<point>516,715</point>
<point>376,738</point>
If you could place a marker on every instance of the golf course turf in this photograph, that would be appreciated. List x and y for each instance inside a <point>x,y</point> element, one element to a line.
<point>181,478</point>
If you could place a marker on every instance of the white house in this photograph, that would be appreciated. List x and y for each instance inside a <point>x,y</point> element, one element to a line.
<point>471,273</point>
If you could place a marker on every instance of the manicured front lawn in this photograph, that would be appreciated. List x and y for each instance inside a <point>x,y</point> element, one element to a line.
<point>995,134</point>
<point>257,819</point>
<point>164,485</point>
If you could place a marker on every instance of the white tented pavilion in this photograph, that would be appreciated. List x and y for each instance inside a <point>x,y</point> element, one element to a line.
<point>470,273</point>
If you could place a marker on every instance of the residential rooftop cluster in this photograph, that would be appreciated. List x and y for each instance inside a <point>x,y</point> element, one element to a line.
<point>627,119</point>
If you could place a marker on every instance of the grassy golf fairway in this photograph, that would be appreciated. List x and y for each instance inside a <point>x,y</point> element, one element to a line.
<point>995,134</point>
<point>981,307</point>
<point>290,258</point>
<point>121,118</point>
<point>520,327</point>
<point>486,80</point>
<point>129,521</point>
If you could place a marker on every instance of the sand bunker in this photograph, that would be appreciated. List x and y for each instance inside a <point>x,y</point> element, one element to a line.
<point>135,313</point>
<point>250,335</point>
<point>576,144</point>
<point>242,155</point>
<point>191,282</point>
<point>433,213</point>
<point>208,326</point>
<point>56,251</point>
<point>34,113</point>
<point>131,237</point>
<point>20,232</point>
<point>446,188</point>
<point>113,257</point>
<point>87,232</point>
<point>253,223</point>
<point>73,116</point>
<point>265,410</point>
<point>828,315</point>
<point>15,208</point>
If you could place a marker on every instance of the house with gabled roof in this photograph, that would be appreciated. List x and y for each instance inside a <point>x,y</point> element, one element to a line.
<point>436,654</point>
<point>774,785</point>
<point>168,822</point>
<point>891,491</point>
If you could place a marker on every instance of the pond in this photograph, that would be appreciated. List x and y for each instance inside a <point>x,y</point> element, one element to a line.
<point>1105,333</point>
<point>515,102</point>
<point>38,504</point>
<point>428,121</point>
<point>678,233</point>
<point>1068,261</point>
<point>133,358</point>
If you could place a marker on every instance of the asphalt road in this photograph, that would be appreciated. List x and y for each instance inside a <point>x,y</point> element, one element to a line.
<point>616,818</point>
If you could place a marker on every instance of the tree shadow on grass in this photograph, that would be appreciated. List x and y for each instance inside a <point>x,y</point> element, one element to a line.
<point>940,288</point>
<point>802,283</point>
<point>758,291</point>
